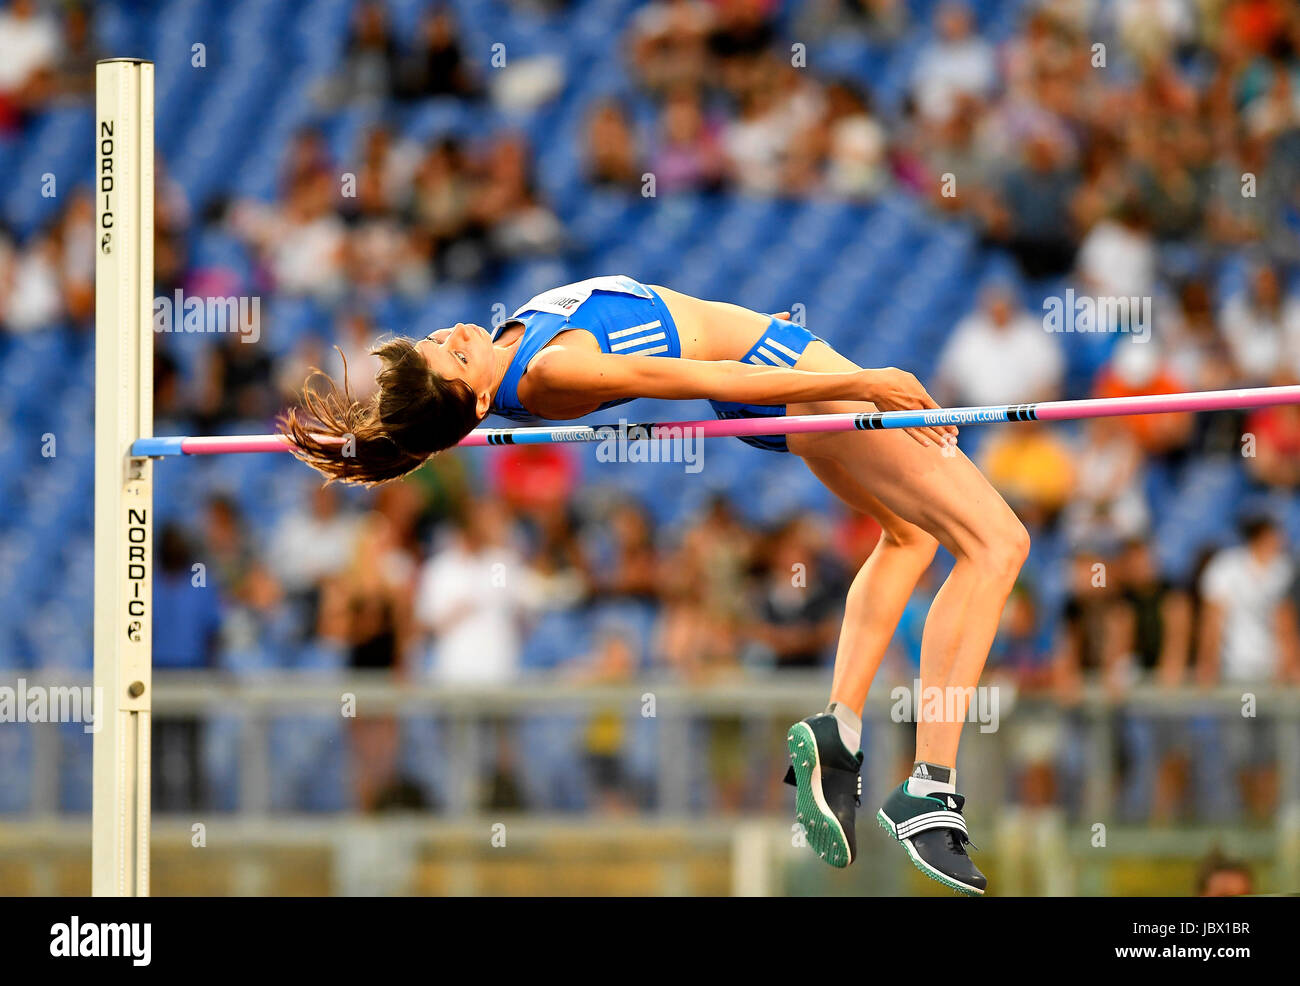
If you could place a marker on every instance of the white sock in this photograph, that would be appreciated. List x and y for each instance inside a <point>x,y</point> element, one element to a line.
<point>931,778</point>
<point>850,725</point>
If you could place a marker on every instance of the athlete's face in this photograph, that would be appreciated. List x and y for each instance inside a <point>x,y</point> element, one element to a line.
<point>463,352</point>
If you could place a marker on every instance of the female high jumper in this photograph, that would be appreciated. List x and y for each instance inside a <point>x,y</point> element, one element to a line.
<point>608,340</point>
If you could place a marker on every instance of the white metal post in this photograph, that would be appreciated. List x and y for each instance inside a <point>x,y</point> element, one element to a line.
<point>124,183</point>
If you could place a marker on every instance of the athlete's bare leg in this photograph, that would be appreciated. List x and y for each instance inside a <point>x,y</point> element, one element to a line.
<point>942,493</point>
<point>880,590</point>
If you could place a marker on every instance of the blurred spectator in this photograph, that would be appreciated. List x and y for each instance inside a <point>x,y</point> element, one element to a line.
<point>507,205</point>
<point>668,42</point>
<point>365,608</point>
<point>1150,29</point>
<point>631,567</point>
<point>703,593</point>
<point>689,153</point>
<point>1247,638</point>
<point>303,241</point>
<point>1197,353</point>
<point>612,156</point>
<point>387,169</point>
<point>880,21</point>
<point>999,354</point>
<point>534,479</point>
<point>187,609</point>
<point>234,382</point>
<point>856,144</point>
<point>1117,258</point>
<point>73,78</point>
<point>34,296</point>
<point>1233,218</point>
<point>1223,876</point>
<point>1138,367</point>
<point>955,62</point>
<point>357,339</point>
<point>1086,641</point>
<point>1025,213</point>
<point>1247,632</point>
<point>800,600</point>
<point>558,574</point>
<point>1109,504</point>
<point>371,60</point>
<point>1262,328</point>
<point>1152,645</point>
<point>310,545</point>
<point>1276,430</point>
<point>742,32</point>
<point>1277,108</point>
<point>252,592</point>
<point>365,603</point>
<point>605,737</point>
<point>960,172</point>
<point>441,198</point>
<point>1031,467</point>
<point>1018,650</point>
<point>471,595</point>
<point>1020,655</point>
<point>757,139</point>
<point>29,47</point>
<point>1155,630</point>
<point>437,67</point>
<point>171,221</point>
<point>77,237</point>
<point>187,615</point>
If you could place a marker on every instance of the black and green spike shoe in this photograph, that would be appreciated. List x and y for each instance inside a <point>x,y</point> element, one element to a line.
<point>933,831</point>
<point>828,787</point>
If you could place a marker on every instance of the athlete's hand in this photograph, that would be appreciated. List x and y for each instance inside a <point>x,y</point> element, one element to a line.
<point>783,316</point>
<point>892,389</point>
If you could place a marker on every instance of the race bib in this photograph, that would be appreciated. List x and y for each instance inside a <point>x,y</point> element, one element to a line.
<point>568,299</point>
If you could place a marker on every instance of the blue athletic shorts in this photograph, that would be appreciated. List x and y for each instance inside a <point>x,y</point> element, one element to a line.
<point>781,345</point>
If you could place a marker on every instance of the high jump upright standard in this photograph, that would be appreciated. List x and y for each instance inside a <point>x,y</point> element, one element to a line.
<point>124,183</point>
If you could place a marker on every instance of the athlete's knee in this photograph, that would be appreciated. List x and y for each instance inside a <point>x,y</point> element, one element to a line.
<point>1005,546</point>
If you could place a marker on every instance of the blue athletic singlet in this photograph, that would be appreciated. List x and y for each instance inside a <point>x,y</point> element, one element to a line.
<point>629,319</point>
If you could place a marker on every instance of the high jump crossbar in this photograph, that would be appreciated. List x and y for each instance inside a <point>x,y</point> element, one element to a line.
<point>795,424</point>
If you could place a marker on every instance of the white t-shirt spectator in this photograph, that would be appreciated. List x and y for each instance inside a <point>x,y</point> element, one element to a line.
<point>306,256</point>
<point>983,363</point>
<point>27,44</point>
<point>308,547</point>
<point>948,69</point>
<point>36,297</point>
<point>1262,343</point>
<point>857,156</point>
<point>467,600</point>
<point>1118,261</point>
<point>1249,594</point>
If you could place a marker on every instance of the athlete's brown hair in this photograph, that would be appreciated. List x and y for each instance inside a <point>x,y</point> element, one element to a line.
<point>414,413</point>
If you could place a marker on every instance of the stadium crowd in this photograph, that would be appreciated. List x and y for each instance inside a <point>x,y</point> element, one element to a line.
<point>1130,170</point>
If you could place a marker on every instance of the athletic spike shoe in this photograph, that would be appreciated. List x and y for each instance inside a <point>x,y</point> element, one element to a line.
<point>933,831</point>
<point>828,787</point>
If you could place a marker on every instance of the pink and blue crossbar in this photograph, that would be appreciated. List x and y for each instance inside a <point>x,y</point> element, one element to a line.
<point>1213,400</point>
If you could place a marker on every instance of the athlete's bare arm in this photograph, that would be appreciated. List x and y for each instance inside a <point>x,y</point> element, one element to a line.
<point>572,377</point>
